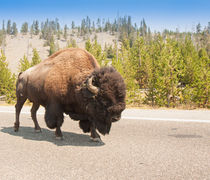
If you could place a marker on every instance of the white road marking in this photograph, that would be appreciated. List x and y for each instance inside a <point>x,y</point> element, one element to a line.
<point>167,119</point>
<point>135,118</point>
<point>22,112</point>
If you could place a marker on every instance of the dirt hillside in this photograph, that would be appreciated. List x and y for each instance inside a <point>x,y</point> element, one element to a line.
<point>17,46</point>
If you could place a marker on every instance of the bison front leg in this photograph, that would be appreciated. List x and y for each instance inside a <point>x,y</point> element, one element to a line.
<point>58,133</point>
<point>54,119</point>
<point>34,109</point>
<point>88,126</point>
<point>94,136</point>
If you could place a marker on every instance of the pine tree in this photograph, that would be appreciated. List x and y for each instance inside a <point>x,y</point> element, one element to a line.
<point>65,32</point>
<point>57,29</point>
<point>71,43</point>
<point>198,28</point>
<point>143,28</point>
<point>88,24</point>
<point>72,25</point>
<point>59,34</point>
<point>36,27</point>
<point>109,52</point>
<point>32,30</point>
<point>125,65</point>
<point>96,50</point>
<point>88,45</point>
<point>24,28</point>
<point>35,59</point>
<point>136,54</point>
<point>24,64</point>
<point>201,84</point>
<point>83,29</point>
<point>1,37</point>
<point>190,56</point>
<point>52,46</point>
<point>93,26</point>
<point>208,28</point>
<point>99,25</point>
<point>152,69</point>
<point>14,30</point>
<point>9,27</point>
<point>57,24</point>
<point>3,27</point>
<point>7,80</point>
<point>171,62</point>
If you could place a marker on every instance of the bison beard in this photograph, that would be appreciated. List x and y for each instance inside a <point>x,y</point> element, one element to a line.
<point>53,116</point>
<point>71,81</point>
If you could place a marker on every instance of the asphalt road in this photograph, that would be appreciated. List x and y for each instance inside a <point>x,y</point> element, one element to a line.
<point>144,144</point>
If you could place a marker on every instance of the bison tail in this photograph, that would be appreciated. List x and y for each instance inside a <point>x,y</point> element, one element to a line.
<point>19,74</point>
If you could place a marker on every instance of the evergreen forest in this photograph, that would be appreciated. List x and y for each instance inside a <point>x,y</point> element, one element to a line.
<point>160,69</point>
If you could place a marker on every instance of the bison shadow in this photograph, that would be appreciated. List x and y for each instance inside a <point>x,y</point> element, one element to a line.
<point>70,138</point>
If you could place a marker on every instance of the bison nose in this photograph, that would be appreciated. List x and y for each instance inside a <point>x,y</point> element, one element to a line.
<point>116,118</point>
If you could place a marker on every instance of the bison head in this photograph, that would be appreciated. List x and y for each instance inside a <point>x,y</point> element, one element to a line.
<point>108,98</point>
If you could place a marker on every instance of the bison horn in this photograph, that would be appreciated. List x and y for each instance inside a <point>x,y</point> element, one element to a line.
<point>90,86</point>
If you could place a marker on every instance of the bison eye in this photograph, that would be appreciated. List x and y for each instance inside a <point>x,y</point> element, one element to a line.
<point>106,103</point>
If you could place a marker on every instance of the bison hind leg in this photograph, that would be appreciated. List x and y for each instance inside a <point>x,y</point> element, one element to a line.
<point>34,109</point>
<point>85,125</point>
<point>20,101</point>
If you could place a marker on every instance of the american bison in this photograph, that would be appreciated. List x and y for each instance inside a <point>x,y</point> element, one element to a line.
<point>72,82</point>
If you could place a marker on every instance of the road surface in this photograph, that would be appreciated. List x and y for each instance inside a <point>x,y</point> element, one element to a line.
<point>144,144</point>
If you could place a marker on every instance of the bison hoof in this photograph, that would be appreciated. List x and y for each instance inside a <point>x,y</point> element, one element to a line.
<point>15,129</point>
<point>96,139</point>
<point>37,130</point>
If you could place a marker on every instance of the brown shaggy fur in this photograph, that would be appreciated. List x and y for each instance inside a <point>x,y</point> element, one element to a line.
<point>59,83</point>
